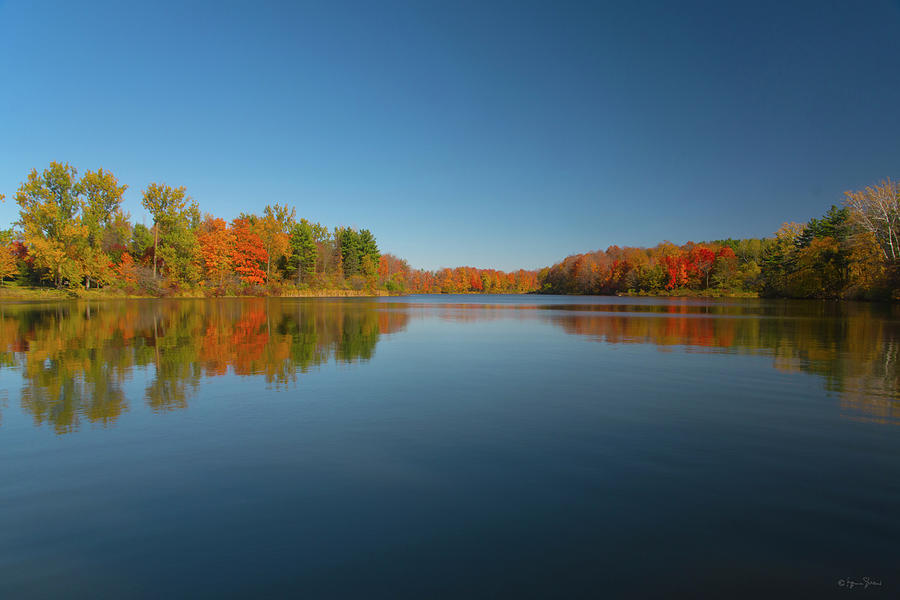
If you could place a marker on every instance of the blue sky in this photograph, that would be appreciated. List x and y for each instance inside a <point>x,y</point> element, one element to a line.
<point>505,134</point>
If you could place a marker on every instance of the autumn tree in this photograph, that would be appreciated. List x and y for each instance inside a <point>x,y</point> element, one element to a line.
<point>274,229</point>
<point>779,259</point>
<point>725,272</point>
<point>876,210</point>
<point>248,253</point>
<point>866,266</point>
<point>96,266</point>
<point>126,269</point>
<point>101,202</point>
<point>8,262</point>
<point>104,222</point>
<point>8,259</point>
<point>701,260</point>
<point>142,240</point>
<point>369,270</point>
<point>216,242</point>
<point>325,248</point>
<point>393,273</point>
<point>168,206</point>
<point>49,206</point>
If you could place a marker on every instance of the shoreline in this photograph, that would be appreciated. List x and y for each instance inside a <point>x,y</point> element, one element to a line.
<point>20,294</point>
<point>53,294</point>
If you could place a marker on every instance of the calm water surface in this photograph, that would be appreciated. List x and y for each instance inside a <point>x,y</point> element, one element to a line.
<point>447,446</point>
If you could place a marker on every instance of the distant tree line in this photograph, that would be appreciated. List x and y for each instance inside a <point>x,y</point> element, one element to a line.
<point>73,233</point>
<point>853,251</point>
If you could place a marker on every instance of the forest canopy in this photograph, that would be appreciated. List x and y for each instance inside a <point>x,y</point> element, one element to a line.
<point>852,251</point>
<point>72,233</point>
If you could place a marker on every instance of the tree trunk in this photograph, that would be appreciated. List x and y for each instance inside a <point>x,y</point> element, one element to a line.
<point>155,243</point>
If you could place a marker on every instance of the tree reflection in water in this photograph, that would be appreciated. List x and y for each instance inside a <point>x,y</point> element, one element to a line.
<point>854,346</point>
<point>74,358</point>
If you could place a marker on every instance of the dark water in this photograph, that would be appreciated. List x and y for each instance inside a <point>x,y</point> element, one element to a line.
<point>449,447</point>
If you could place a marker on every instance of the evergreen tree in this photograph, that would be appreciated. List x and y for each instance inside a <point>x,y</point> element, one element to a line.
<point>368,246</point>
<point>348,241</point>
<point>304,252</point>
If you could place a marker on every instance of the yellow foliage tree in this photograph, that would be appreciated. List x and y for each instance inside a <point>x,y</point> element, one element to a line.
<point>274,231</point>
<point>8,266</point>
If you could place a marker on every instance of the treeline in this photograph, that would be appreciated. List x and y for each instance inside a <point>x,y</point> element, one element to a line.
<point>73,233</point>
<point>399,277</point>
<point>853,251</point>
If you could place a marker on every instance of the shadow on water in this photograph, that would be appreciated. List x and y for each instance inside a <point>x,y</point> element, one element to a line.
<point>74,358</point>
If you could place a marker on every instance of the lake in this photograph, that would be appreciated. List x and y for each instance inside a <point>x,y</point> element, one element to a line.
<point>449,446</point>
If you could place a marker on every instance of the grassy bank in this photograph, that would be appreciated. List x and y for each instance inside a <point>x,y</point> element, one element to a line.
<point>14,292</point>
<point>675,293</point>
<point>335,294</point>
<point>688,293</point>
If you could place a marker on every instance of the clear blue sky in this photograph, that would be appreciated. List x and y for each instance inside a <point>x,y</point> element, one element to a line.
<point>465,133</point>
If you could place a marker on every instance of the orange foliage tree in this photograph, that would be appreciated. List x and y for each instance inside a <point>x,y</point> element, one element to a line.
<point>248,253</point>
<point>126,269</point>
<point>216,245</point>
